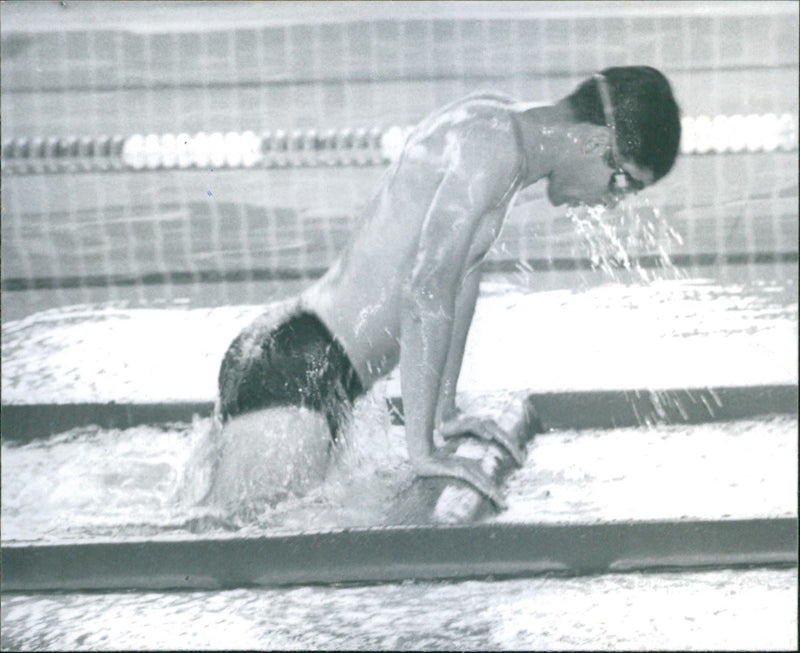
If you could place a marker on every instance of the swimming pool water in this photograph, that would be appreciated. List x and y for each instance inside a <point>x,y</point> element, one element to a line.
<point>92,484</point>
<point>755,610</point>
<point>590,335</point>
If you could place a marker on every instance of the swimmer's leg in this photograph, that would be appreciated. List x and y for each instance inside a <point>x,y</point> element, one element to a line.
<point>482,428</point>
<point>268,454</point>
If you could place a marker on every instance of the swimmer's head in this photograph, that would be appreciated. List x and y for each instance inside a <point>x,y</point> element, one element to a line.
<point>626,130</point>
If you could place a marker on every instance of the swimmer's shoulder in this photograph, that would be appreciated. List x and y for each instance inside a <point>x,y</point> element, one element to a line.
<point>474,107</point>
<point>489,100</point>
<point>474,115</point>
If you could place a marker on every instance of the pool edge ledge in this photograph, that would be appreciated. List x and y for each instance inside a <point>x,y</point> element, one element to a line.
<point>574,410</point>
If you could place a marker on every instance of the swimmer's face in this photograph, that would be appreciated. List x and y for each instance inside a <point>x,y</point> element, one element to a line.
<point>589,174</point>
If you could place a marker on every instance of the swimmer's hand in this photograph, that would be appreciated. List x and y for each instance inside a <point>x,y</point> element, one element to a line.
<point>482,428</point>
<point>443,466</point>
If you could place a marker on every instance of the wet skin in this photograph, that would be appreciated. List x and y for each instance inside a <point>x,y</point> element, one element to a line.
<point>404,291</point>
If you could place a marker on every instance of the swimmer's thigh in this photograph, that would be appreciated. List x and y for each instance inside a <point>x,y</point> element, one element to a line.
<point>266,454</point>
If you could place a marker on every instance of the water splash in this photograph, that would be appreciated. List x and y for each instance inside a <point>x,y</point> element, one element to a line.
<point>183,480</point>
<point>261,484</point>
<point>90,483</point>
<point>619,241</point>
<point>629,243</point>
<point>632,244</point>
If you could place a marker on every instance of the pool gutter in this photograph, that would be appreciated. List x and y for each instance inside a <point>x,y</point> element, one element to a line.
<point>402,553</point>
<point>602,409</point>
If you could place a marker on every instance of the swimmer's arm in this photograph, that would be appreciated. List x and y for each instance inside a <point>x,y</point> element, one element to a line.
<point>429,300</point>
<point>483,163</point>
<point>429,307</point>
<point>449,421</point>
<point>464,311</point>
<point>483,160</point>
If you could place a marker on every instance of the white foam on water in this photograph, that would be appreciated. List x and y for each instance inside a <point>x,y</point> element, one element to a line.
<point>90,482</point>
<point>724,609</point>
<point>750,610</point>
<point>665,334</point>
<point>185,480</point>
<point>348,484</point>
<point>722,470</point>
<point>105,353</point>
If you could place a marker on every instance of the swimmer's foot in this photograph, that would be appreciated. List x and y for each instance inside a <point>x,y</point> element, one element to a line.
<point>482,428</point>
<point>469,471</point>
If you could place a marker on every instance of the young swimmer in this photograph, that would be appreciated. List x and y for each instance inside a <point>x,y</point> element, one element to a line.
<point>404,290</point>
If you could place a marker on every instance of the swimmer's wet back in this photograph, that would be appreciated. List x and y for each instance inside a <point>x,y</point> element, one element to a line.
<point>298,363</point>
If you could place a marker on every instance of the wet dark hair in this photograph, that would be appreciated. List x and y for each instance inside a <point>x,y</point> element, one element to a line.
<point>647,117</point>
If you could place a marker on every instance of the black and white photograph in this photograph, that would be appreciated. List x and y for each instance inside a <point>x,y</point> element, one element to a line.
<point>399,325</point>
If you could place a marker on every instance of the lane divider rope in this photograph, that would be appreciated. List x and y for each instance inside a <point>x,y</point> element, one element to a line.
<point>335,148</point>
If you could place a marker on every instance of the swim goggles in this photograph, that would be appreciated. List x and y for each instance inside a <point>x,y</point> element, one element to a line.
<point>621,182</point>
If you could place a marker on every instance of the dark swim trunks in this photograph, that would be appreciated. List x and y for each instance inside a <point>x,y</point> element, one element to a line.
<point>298,363</point>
